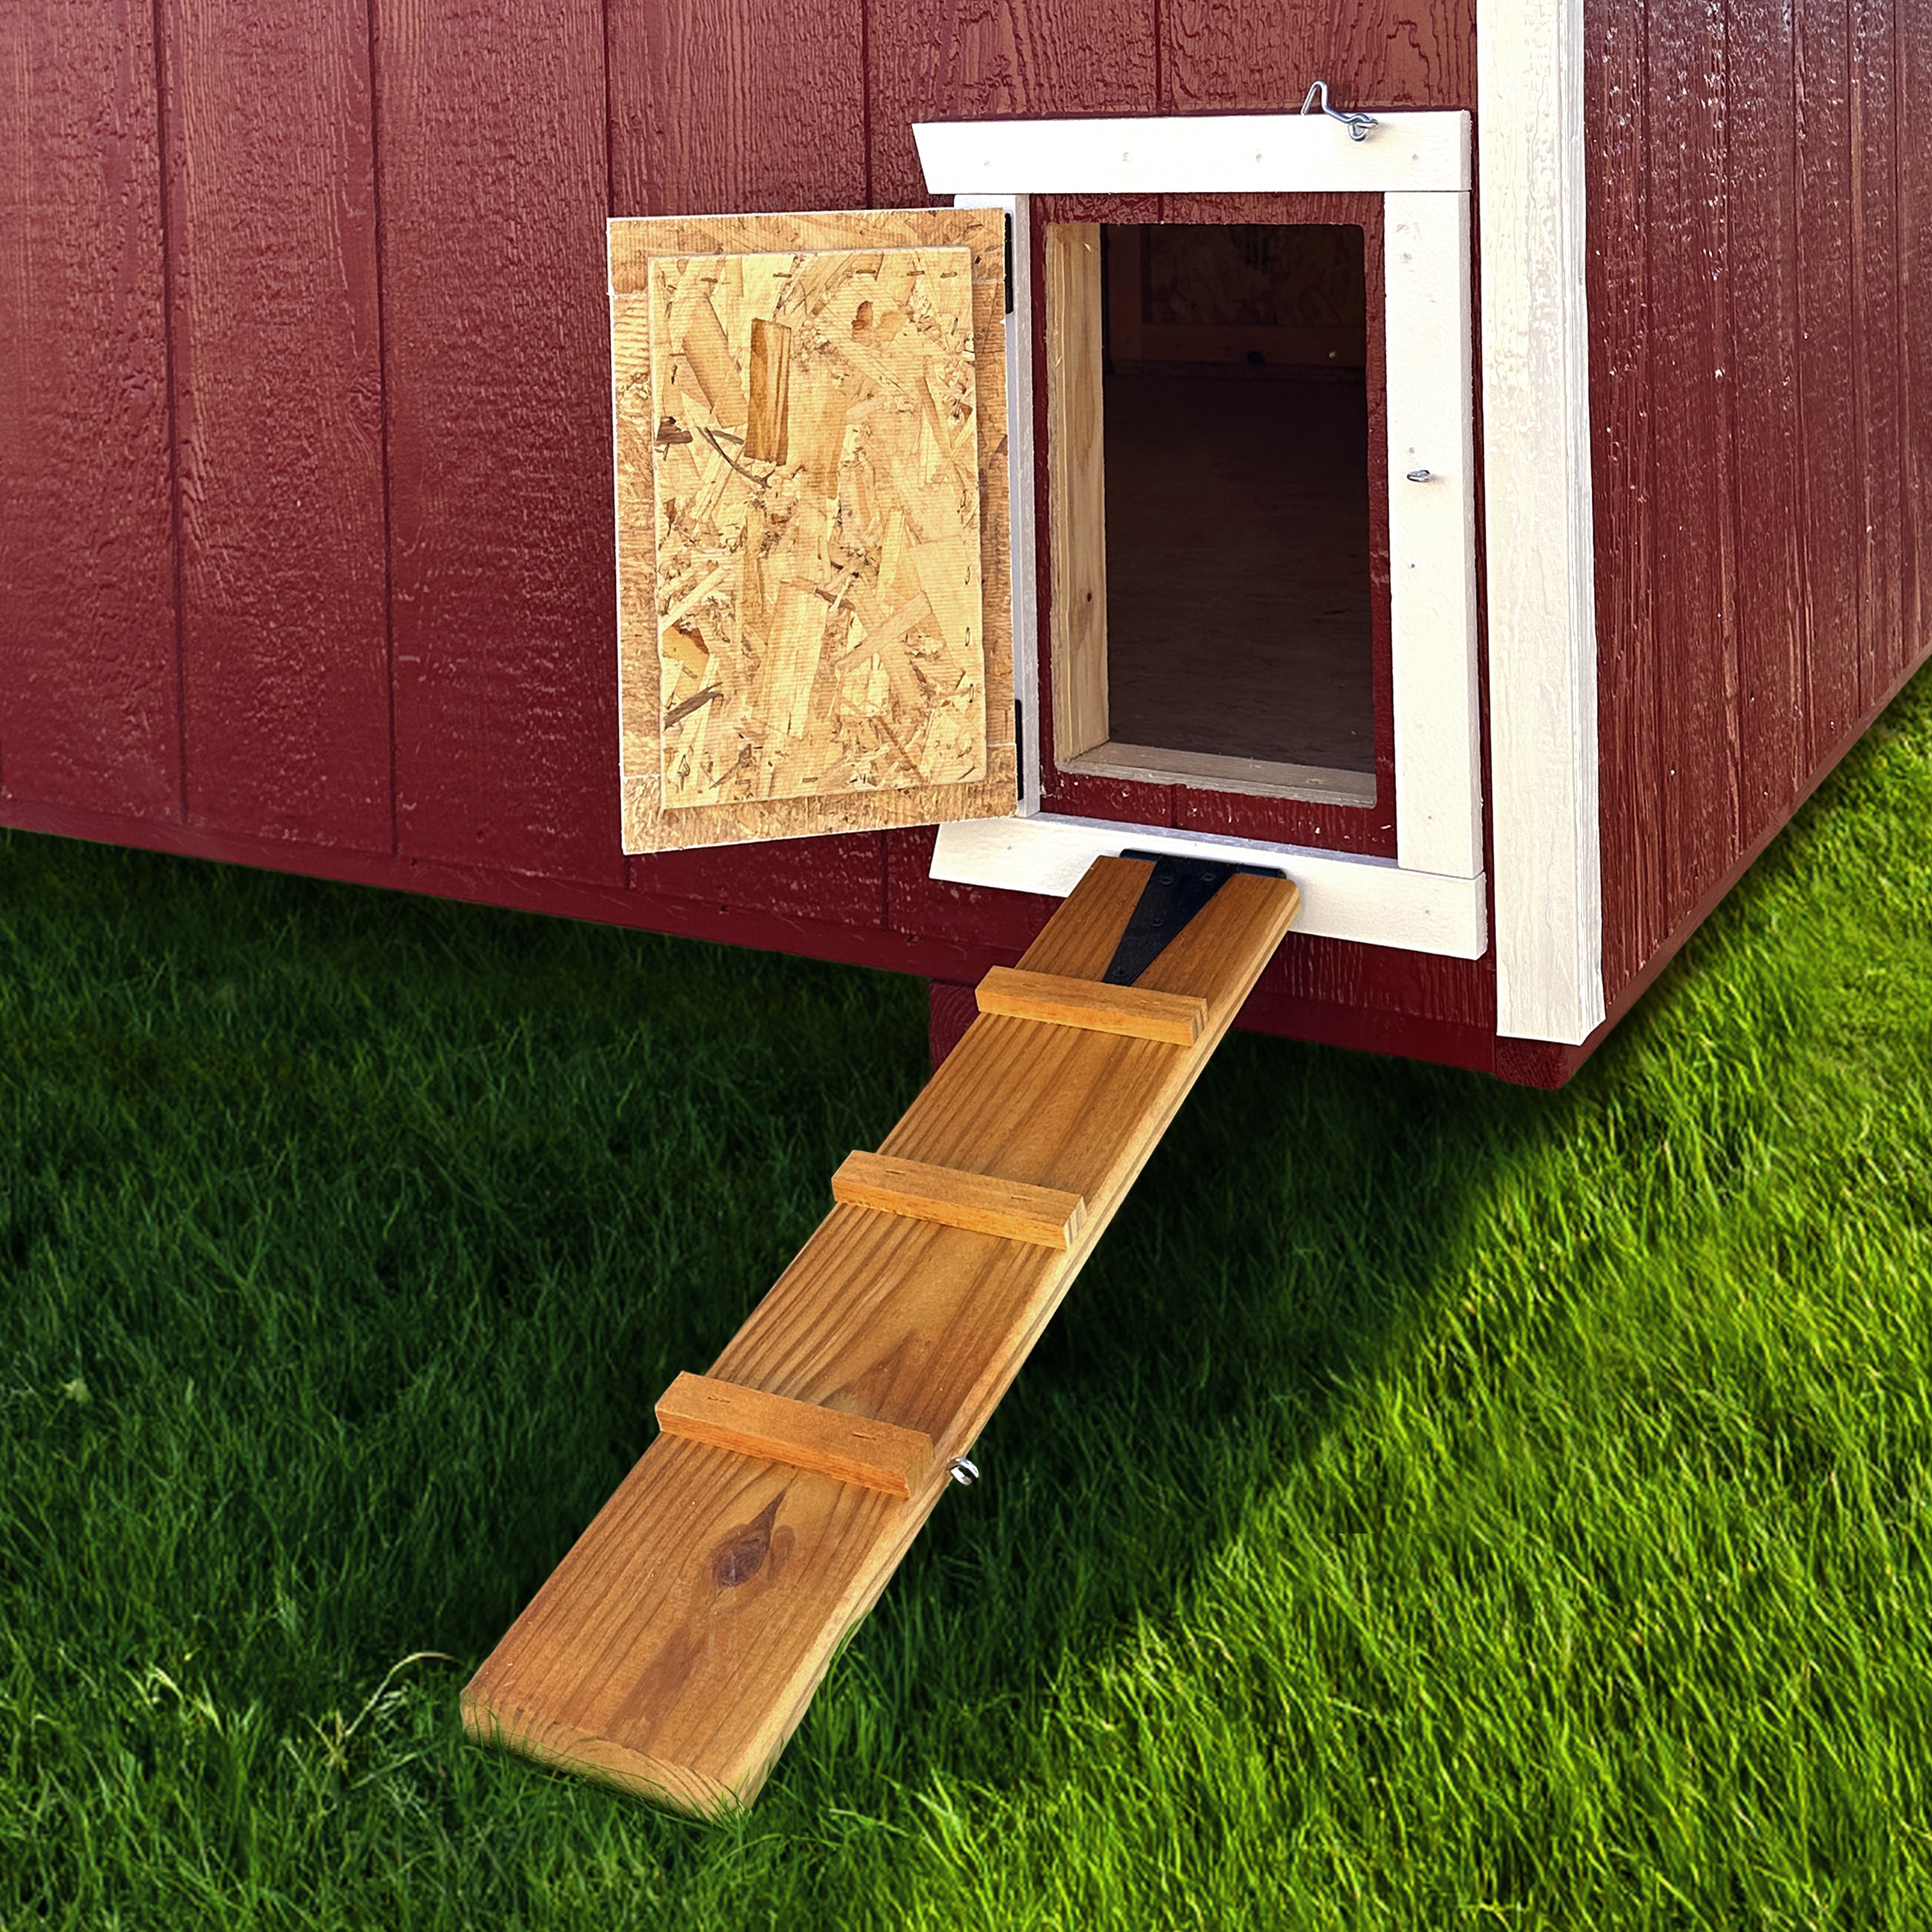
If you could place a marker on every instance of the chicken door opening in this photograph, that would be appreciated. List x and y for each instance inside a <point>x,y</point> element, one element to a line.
<point>1238,626</point>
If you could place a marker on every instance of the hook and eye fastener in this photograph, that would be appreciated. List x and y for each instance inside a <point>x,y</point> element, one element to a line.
<point>964,1473</point>
<point>1317,100</point>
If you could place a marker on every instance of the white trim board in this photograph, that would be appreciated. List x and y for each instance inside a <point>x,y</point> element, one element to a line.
<point>1432,533</point>
<point>1344,895</point>
<point>1196,153</point>
<point>1540,548</point>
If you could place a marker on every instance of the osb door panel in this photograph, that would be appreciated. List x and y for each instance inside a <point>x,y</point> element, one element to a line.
<point>814,609</point>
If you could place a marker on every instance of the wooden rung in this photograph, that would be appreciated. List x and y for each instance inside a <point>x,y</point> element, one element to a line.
<point>850,1448</point>
<point>1175,1019</point>
<point>1015,1209</point>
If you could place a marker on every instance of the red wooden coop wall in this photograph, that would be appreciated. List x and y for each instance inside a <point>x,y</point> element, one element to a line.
<point>307,556</point>
<point>1760,264</point>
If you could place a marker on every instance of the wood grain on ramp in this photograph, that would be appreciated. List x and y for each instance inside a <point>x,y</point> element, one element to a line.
<point>674,1649</point>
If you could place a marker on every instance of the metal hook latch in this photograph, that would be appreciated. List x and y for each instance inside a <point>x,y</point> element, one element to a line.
<point>1357,124</point>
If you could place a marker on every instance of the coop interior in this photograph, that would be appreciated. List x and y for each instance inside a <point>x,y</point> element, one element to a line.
<point>1234,649</point>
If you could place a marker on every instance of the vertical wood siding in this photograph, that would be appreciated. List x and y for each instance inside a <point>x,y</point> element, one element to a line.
<point>491,171</point>
<point>1758,442</point>
<point>276,338</point>
<point>305,434</point>
<point>331,301</point>
<point>88,640</point>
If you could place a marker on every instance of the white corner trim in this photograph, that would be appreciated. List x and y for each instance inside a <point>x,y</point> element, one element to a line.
<point>1022,552</point>
<point>1344,895</point>
<point>1432,534</point>
<point>1196,153</point>
<point>1540,549</point>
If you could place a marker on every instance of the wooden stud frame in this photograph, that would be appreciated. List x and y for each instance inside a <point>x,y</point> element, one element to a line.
<point>1432,897</point>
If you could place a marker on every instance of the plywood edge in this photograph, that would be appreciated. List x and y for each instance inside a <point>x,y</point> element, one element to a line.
<point>804,1435</point>
<point>647,827</point>
<point>1175,1019</point>
<point>1213,771</point>
<point>1016,1211</point>
<point>632,241</point>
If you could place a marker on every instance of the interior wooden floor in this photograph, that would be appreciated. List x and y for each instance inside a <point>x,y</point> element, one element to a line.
<point>1238,613</point>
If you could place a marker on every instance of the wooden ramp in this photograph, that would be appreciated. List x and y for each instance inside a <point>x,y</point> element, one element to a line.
<point>676,1647</point>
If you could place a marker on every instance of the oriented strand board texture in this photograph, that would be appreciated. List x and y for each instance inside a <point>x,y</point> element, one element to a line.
<point>818,539</point>
<point>815,628</point>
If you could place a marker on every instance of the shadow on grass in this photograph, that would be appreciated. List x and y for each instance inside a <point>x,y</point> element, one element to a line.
<point>374,1226</point>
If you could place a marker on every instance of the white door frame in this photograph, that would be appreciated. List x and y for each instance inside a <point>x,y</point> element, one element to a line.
<point>1431,896</point>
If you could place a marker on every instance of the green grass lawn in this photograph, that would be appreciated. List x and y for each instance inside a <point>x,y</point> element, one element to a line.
<point>1437,1504</point>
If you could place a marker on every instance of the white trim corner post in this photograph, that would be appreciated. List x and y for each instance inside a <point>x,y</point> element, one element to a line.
<point>1545,834</point>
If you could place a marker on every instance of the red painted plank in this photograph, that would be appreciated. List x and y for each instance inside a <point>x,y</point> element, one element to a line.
<point>1831,490</point>
<point>712,112</point>
<point>1694,612</point>
<point>88,700</point>
<point>840,878</point>
<point>1875,307</point>
<point>1220,56</point>
<point>1617,282</point>
<point>1762,276</point>
<point>1915,245</point>
<point>928,908</point>
<point>933,60</point>
<point>490,152</point>
<point>1415,985</point>
<point>278,397</point>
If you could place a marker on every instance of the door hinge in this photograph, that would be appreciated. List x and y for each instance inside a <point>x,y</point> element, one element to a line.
<point>1176,890</point>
